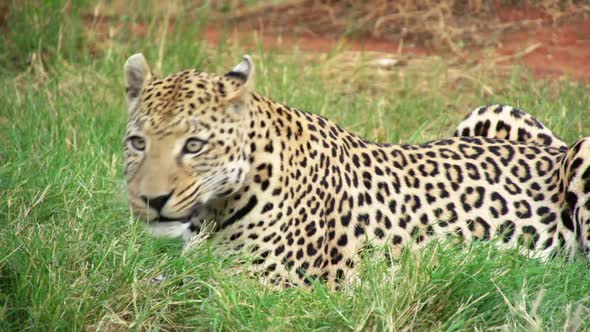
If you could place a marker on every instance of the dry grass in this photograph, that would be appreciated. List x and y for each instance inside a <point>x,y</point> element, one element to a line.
<point>448,24</point>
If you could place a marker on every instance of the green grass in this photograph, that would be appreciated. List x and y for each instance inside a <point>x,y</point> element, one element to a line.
<point>36,31</point>
<point>72,257</point>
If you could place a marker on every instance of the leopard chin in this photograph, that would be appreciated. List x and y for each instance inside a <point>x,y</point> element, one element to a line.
<point>169,229</point>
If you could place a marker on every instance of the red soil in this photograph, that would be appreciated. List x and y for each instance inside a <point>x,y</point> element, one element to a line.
<point>550,49</point>
<point>315,44</point>
<point>550,43</point>
<point>563,51</point>
<point>553,52</point>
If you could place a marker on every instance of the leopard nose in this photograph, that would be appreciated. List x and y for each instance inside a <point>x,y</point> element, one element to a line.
<point>156,202</point>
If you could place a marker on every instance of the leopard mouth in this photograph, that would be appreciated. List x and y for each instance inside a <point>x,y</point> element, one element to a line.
<point>166,219</point>
<point>195,210</point>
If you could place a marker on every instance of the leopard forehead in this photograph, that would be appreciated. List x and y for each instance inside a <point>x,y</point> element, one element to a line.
<point>184,94</point>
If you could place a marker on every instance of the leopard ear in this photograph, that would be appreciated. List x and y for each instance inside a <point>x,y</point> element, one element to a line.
<point>242,77</point>
<point>137,72</point>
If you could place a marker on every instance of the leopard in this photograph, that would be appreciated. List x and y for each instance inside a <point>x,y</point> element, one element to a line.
<point>204,152</point>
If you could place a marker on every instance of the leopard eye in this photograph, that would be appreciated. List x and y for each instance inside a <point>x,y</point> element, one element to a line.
<point>193,145</point>
<point>137,142</point>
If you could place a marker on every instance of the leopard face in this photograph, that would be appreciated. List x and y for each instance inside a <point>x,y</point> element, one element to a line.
<point>185,142</point>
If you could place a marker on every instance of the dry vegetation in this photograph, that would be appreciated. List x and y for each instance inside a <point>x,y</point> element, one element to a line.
<point>448,24</point>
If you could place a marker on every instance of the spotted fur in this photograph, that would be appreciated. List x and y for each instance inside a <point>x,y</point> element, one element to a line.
<point>506,122</point>
<point>304,195</point>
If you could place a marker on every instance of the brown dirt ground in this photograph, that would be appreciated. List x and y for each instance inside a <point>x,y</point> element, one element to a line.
<point>554,44</point>
<point>550,53</point>
<point>562,52</point>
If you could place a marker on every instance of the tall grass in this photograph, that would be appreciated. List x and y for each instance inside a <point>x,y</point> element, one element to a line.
<point>46,29</point>
<point>72,257</point>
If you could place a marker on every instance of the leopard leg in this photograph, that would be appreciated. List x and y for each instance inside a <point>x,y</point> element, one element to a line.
<point>575,169</point>
<point>506,122</point>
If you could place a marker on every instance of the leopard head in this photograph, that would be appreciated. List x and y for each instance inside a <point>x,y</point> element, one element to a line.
<point>186,141</point>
